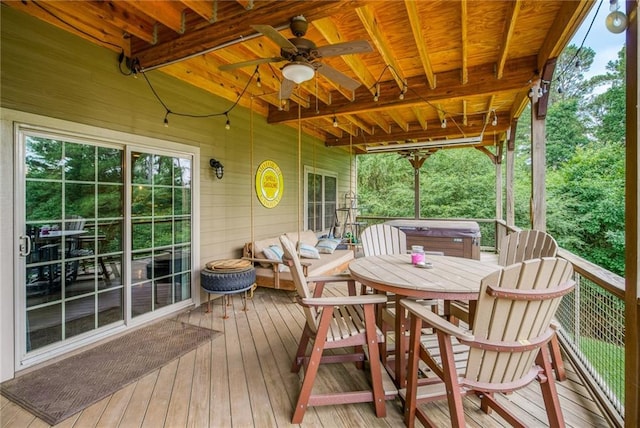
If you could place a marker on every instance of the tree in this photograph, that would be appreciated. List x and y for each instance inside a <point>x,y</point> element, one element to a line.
<point>565,132</point>
<point>608,109</point>
<point>568,80</point>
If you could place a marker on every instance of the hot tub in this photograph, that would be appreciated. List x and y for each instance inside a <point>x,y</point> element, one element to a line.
<point>453,238</point>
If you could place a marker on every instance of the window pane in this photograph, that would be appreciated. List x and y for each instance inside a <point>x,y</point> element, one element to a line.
<point>109,165</point>
<point>142,168</point>
<point>43,158</point>
<point>109,200</point>
<point>163,171</point>
<point>79,163</point>
<point>43,201</point>
<point>163,201</point>
<point>141,197</point>
<point>80,200</point>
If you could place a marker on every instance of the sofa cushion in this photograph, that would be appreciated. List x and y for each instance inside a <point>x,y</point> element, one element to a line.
<point>326,264</point>
<point>307,237</point>
<point>327,245</point>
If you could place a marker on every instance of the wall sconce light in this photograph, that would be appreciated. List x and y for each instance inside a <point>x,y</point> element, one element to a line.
<point>218,167</point>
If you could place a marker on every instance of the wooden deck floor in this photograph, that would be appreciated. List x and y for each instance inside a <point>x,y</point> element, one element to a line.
<point>242,379</point>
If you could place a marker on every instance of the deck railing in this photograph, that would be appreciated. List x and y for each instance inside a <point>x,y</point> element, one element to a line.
<point>592,320</point>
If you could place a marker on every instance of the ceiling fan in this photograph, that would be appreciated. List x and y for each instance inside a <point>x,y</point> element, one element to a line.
<point>302,54</point>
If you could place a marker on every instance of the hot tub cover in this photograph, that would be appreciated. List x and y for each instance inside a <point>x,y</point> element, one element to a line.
<point>453,229</point>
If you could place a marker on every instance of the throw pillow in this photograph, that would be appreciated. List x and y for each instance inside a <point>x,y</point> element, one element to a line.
<point>327,245</point>
<point>274,252</point>
<point>308,251</point>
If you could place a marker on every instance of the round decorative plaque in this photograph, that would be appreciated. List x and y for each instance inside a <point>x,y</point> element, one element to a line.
<point>269,184</point>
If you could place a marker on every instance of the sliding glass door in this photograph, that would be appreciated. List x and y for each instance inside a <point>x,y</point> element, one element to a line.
<point>106,237</point>
<point>73,205</point>
<point>160,231</point>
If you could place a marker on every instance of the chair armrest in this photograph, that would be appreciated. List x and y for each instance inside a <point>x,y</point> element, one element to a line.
<point>435,321</point>
<point>363,299</point>
<point>330,278</point>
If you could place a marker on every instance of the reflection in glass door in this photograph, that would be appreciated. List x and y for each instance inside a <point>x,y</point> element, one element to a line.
<point>160,231</point>
<point>74,226</point>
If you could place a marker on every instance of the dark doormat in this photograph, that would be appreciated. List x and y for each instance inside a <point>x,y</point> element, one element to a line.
<point>57,391</point>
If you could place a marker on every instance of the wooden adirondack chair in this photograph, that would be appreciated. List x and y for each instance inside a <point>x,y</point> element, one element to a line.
<point>517,247</point>
<point>506,348</point>
<point>380,239</point>
<point>335,322</point>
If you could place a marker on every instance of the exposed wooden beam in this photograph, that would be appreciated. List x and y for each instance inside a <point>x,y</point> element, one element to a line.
<point>359,123</point>
<point>513,8</point>
<point>416,28</point>
<point>247,4</point>
<point>464,42</point>
<point>331,33</point>
<point>108,36</point>
<point>483,83</point>
<point>370,23</point>
<point>112,12</point>
<point>397,118</point>
<point>475,127</point>
<point>207,9</point>
<point>378,119</point>
<point>233,29</point>
<point>547,75</point>
<point>489,154</point>
<point>420,116</point>
<point>168,13</point>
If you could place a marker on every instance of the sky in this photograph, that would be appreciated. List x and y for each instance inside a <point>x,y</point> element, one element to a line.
<point>605,44</point>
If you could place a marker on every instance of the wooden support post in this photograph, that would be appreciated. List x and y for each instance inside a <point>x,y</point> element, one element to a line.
<point>498,164</point>
<point>632,211</point>
<point>510,174</point>
<point>538,166</point>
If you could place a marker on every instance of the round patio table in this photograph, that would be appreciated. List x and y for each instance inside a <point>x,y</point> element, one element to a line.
<point>448,278</point>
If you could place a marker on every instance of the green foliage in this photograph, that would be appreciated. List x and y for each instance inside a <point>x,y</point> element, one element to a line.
<point>585,168</point>
<point>588,195</point>
<point>458,183</point>
<point>565,132</point>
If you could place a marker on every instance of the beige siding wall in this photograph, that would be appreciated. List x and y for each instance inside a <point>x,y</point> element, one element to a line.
<point>48,72</point>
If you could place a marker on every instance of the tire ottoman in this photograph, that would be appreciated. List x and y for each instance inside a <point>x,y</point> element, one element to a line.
<point>226,277</point>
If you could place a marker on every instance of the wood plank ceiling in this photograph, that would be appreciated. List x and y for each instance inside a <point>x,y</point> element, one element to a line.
<point>468,63</point>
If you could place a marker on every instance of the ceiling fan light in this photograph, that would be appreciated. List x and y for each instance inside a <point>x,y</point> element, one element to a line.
<point>298,72</point>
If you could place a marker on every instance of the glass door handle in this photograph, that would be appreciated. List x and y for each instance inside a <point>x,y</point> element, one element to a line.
<point>25,245</point>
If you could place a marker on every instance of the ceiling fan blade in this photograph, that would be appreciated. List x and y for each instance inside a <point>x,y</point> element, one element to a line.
<point>286,88</point>
<point>338,77</point>
<point>227,67</point>
<point>346,48</point>
<point>278,38</point>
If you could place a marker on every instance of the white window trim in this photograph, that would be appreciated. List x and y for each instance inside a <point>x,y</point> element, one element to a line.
<point>13,121</point>
<point>325,173</point>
